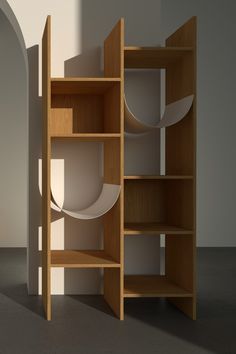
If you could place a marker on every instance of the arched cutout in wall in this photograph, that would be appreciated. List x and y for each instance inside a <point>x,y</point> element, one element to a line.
<point>13,131</point>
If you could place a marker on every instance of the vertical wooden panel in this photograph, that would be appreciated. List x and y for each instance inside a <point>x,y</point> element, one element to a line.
<point>114,157</point>
<point>113,51</point>
<point>46,152</point>
<point>181,159</point>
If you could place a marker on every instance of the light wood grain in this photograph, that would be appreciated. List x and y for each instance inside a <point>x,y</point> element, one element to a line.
<point>154,229</point>
<point>78,85</point>
<point>152,286</point>
<point>158,177</point>
<point>113,167</point>
<point>74,114</point>
<point>86,136</point>
<point>113,51</point>
<point>181,159</point>
<point>153,57</point>
<point>82,259</point>
<point>46,153</point>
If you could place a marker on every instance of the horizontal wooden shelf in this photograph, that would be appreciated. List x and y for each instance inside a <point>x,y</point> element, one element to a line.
<point>152,228</point>
<point>158,177</point>
<point>153,57</point>
<point>152,286</point>
<point>82,259</point>
<point>82,85</point>
<point>87,136</point>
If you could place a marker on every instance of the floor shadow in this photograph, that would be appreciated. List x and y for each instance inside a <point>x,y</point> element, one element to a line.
<point>13,279</point>
<point>216,312</point>
<point>95,301</point>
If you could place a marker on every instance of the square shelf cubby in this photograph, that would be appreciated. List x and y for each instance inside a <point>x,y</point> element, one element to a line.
<point>80,106</point>
<point>160,205</point>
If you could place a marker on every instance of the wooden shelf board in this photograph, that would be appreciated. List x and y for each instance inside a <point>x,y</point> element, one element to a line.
<point>87,136</point>
<point>152,286</point>
<point>154,229</point>
<point>153,57</point>
<point>82,85</point>
<point>82,259</point>
<point>162,177</point>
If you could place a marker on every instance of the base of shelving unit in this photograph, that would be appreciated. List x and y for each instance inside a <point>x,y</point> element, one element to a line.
<point>152,286</point>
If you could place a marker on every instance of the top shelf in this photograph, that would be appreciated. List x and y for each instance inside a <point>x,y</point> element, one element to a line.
<point>82,85</point>
<point>153,57</point>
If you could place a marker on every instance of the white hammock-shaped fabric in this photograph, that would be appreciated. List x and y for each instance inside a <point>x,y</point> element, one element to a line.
<point>174,112</point>
<point>105,201</point>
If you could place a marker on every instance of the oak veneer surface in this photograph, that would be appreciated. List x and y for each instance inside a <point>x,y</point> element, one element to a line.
<point>82,259</point>
<point>154,228</point>
<point>153,57</point>
<point>181,159</point>
<point>152,286</point>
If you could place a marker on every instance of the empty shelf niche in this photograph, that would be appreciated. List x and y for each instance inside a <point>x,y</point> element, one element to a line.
<point>85,106</point>
<point>156,206</point>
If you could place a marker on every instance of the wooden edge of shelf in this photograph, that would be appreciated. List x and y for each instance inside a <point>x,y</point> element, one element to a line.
<point>136,286</point>
<point>82,259</point>
<point>85,79</point>
<point>162,177</point>
<point>171,49</point>
<point>154,229</point>
<point>92,136</point>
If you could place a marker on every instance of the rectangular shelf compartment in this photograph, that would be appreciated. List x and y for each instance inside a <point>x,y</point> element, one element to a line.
<point>157,205</point>
<point>152,286</point>
<point>153,57</point>
<point>85,106</point>
<point>82,259</point>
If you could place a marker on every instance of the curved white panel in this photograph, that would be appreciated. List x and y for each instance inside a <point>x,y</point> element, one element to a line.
<point>53,204</point>
<point>174,112</point>
<point>106,200</point>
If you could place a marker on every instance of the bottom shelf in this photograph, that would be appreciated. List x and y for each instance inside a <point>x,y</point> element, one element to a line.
<point>152,286</point>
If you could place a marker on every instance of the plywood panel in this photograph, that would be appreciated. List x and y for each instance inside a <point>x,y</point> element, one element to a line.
<point>46,194</point>
<point>145,201</point>
<point>113,52</point>
<point>152,286</point>
<point>77,114</point>
<point>181,159</point>
<point>113,167</point>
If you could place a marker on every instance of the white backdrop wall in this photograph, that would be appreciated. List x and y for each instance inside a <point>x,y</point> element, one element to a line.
<point>78,31</point>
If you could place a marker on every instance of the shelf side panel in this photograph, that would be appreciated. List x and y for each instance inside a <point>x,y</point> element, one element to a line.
<point>113,51</point>
<point>46,216</point>
<point>113,292</point>
<point>181,159</point>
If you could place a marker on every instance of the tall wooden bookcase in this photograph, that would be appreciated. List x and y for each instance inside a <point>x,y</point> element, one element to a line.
<point>160,204</point>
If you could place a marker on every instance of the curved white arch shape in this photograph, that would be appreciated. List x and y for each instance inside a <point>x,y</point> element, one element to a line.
<point>174,112</point>
<point>105,201</point>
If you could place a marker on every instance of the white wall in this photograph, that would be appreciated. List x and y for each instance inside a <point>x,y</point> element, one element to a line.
<point>216,124</point>
<point>78,31</point>
<point>13,132</point>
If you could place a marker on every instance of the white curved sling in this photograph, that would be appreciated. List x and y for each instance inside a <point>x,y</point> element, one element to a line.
<point>174,112</point>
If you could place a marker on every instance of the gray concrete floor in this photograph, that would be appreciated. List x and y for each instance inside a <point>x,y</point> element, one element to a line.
<point>85,325</point>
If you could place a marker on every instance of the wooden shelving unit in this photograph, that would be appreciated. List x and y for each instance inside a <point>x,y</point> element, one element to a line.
<point>92,109</point>
<point>86,109</point>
